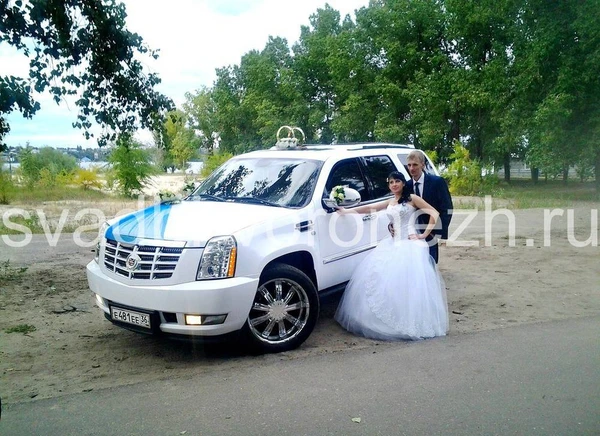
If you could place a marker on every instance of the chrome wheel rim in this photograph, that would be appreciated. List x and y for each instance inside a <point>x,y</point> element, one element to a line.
<point>280,311</point>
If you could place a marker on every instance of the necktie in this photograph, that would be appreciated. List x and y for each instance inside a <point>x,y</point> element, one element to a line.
<point>417,190</point>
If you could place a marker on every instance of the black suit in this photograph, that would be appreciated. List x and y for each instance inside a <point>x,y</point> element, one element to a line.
<point>435,193</point>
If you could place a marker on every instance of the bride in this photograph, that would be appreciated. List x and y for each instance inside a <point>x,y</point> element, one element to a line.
<point>397,291</point>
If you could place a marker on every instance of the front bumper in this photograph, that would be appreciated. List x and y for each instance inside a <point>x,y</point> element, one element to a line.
<point>169,304</point>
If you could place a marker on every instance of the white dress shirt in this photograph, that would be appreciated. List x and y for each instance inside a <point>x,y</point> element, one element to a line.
<point>421,182</point>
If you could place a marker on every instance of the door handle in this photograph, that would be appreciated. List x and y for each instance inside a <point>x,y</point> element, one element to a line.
<point>368,217</point>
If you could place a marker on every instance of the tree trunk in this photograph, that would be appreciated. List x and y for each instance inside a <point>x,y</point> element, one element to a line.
<point>507,167</point>
<point>565,175</point>
<point>535,174</point>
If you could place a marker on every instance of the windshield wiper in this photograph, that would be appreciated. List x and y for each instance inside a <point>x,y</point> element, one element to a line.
<point>204,197</point>
<point>254,200</point>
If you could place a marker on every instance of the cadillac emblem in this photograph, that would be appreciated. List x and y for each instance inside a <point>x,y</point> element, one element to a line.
<point>132,262</point>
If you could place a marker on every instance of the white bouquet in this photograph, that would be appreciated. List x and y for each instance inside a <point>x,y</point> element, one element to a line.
<point>338,194</point>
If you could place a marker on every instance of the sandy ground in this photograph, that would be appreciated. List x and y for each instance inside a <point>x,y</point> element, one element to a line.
<point>492,282</point>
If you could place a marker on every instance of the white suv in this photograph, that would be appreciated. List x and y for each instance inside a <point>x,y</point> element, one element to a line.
<point>250,251</point>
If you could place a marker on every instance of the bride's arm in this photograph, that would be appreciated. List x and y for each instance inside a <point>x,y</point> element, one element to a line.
<point>367,208</point>
<point>423,206</point>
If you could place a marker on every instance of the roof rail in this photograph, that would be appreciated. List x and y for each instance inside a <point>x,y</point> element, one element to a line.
<point>361,146</point>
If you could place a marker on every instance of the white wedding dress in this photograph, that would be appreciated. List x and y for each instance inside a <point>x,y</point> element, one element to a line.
<point>397,291</point>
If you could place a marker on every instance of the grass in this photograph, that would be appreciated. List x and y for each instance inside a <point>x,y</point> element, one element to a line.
<point>21,328</point>
<point>9,273</point>
<point>58,193</point>
<point>525,194</point>
<point>26,204</point>
<point>35,226</point>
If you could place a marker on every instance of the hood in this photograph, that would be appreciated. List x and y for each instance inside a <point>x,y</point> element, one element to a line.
<point>194,222</point>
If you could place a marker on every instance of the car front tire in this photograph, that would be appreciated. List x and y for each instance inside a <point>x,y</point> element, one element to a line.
<point>284,311</point>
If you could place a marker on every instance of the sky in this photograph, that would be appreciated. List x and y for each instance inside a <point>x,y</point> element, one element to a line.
<point>194,38</point>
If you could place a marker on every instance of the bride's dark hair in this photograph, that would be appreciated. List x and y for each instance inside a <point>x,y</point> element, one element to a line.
<point>406,190</point>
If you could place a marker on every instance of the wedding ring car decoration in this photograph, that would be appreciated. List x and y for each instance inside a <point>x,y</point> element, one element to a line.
<point>290,141</point>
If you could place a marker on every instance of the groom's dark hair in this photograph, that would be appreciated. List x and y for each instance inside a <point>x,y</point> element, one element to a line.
<point>406,190</point>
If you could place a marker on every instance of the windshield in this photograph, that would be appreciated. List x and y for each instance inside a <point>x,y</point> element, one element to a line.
<point>273,182</point>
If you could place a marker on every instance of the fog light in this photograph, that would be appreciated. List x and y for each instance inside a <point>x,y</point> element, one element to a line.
<point>205,319</point>
<point>193,320</point>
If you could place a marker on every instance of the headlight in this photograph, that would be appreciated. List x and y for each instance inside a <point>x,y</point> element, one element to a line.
<point>101,232</point>
<point>218,259</point>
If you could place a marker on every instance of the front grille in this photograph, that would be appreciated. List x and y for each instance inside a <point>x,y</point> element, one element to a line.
<point>154,262</point>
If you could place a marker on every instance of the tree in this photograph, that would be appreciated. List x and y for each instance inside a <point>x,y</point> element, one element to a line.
<point>251,101</point>
<point>80,48</point>
<point>314,75</point>
<point>46,163</point>
<point>557,57</point>
<point>179,141</point>
<point>408,44</point>
<point>131,166</point>
<point>201,110</point>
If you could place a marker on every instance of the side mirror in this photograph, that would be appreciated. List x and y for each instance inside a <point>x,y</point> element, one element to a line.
<point>352,198</point>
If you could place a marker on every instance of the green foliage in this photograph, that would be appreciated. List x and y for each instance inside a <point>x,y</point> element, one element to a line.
<point>433,155</point>
<point>80,48</point>
<point>508,79</point>
<point>57,193</point>
<point>46,179</point>
<point>64,178</point>
<point>201,111</point>
<point>21,328</point>
<point>87,179</point>
<point>131,165</point>
<point>213,162</point>
<point>464,173</point>
<point>46,167</point>
<point>38,197</point>
<point>10,273</point>
<point>251,101</point>
<point>110,178</point>
<point>7,187</point>
<point>32,223</point>
<point>179,142</point>
<point>525,194</point>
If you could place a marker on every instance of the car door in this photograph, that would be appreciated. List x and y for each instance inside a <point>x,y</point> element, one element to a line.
<point>344,240</point>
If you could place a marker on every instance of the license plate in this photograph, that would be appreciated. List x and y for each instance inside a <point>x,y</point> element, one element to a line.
<point>130,317</point>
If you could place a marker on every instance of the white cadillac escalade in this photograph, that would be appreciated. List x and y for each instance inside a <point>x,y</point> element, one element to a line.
<point>250,251</point>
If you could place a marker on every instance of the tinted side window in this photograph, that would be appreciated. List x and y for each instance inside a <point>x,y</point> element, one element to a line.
<point>378,168</point>
<point>347,172</point>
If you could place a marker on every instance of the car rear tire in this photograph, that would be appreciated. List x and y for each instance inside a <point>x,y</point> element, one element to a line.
<point>284,312</point>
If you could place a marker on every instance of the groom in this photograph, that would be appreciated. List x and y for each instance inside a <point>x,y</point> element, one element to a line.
<point>434,190</point>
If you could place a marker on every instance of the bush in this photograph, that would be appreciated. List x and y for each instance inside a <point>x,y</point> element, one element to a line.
<point>464,174</point>
<point>47,167</point>
<point>131,165</point>
<point>64,178</point>
<point>9,273</point>
<point>87,179</point>
<point>7,188</point>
